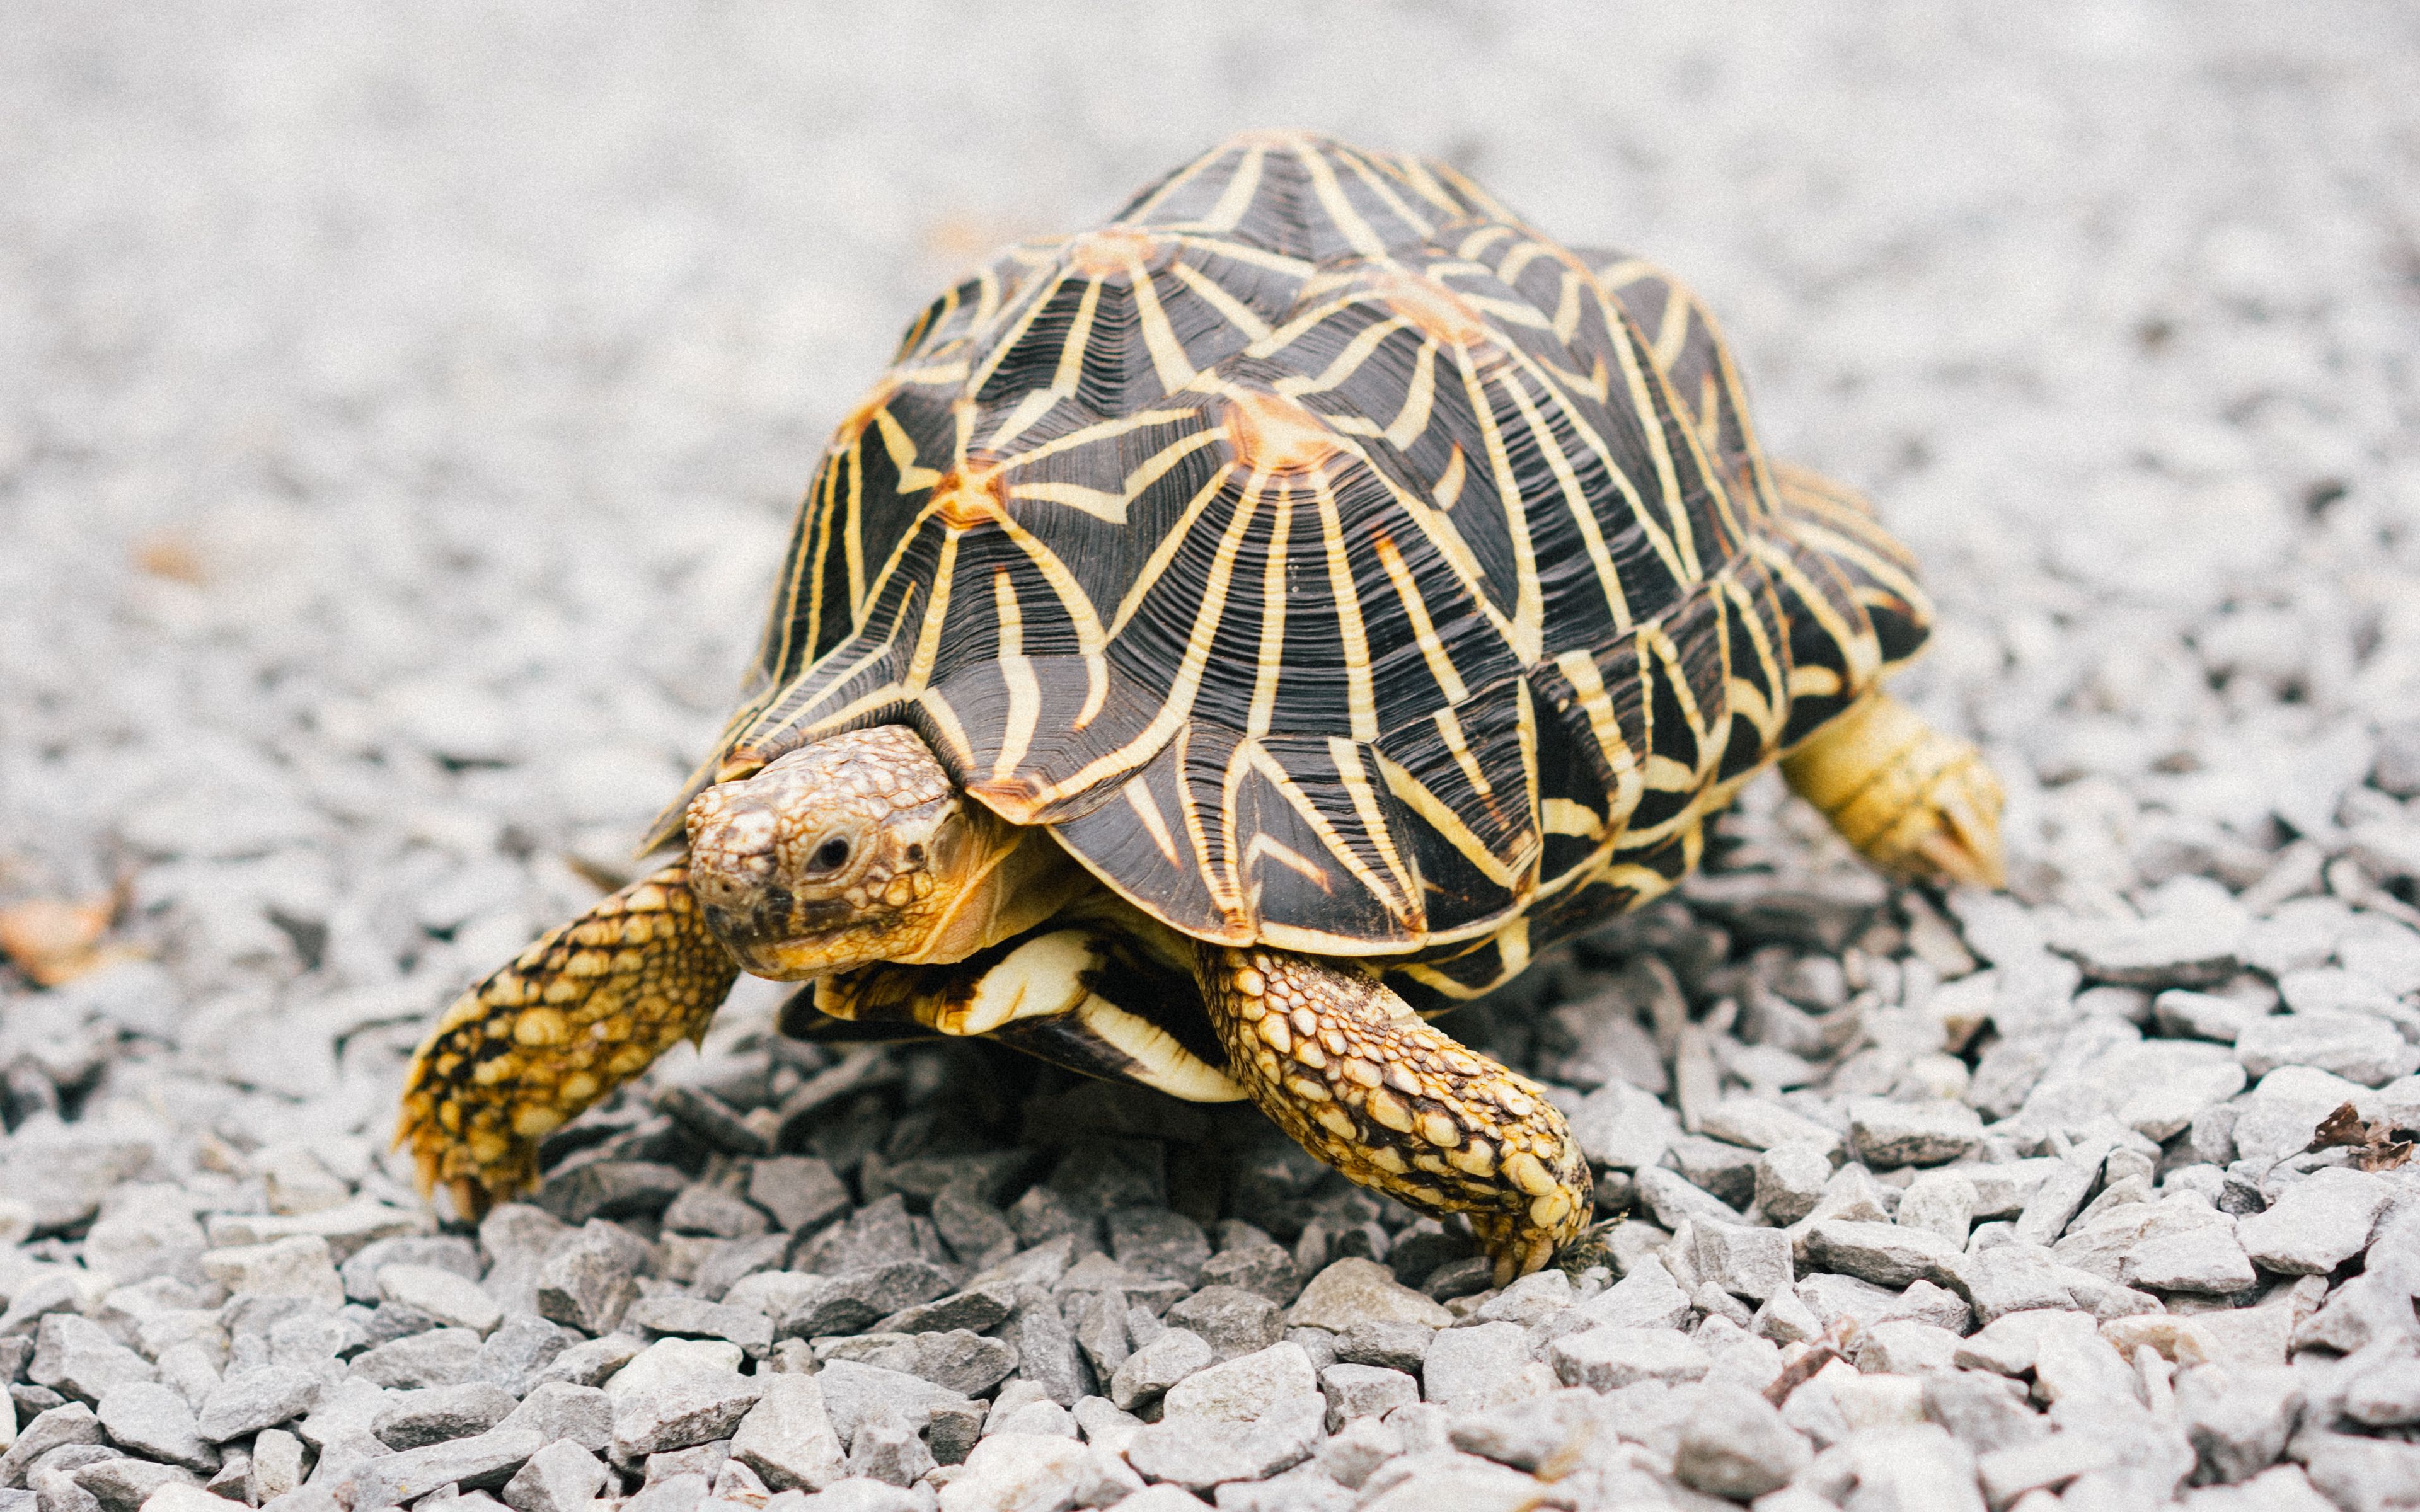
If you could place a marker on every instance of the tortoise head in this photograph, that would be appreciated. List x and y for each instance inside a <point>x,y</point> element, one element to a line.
<point>859,849</point>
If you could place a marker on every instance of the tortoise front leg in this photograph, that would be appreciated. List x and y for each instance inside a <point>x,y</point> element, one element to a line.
<point>1346,1067</point>
<point>580,1011</point>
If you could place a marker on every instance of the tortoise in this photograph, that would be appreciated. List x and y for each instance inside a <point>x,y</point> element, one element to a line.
<point>1224,637</point>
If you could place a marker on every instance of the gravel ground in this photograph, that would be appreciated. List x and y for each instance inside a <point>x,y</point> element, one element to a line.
<point>399,415</point>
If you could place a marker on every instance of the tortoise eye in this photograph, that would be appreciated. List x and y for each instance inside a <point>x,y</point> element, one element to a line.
<point>831,855</point>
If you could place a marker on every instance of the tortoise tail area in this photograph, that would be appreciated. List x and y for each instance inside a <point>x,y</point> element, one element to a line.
<point>581,1011</point>
<point>1915,801</point>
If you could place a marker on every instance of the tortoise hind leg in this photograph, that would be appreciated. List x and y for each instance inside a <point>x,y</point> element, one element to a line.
<point>1344,1066</point>
<point>580,1011</point>
<point>1917,802</point>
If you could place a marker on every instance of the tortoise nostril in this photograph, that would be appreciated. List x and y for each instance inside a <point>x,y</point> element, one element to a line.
<point>731,855</point>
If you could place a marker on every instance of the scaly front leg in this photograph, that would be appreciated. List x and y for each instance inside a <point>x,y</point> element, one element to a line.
<point>580,1011</point>
<point>1358,1079</point>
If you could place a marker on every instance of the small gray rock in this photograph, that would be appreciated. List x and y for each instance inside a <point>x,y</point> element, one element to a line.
<point>1747,1262</point>
<point>413,1419</point>
<point>854,1393</point>
<point>803,1194</point>
<point>1609,1357</point>
<point>2237,1420</point>
<point>693,1318</point>
<point>1391,1345</point>
<point>75,1357</point>
<point>1883,1254</point>
<point>1200,1453</point>
<point>1889,1135</point>
<point>56,1427</point>
<point>276,1466</point>
<point>1357,1291</point>
<point>1545,1435</point>
<point>2355,1046</point>
<point>561,1411</point>
<point>1674,1201</point>
<point>445,1295</point>
<point>887,1448</point>
<point>484,1461</point>
<point>2203,1260</point>
<point>1734,1443</point>
<point>1942,1201</point>
<point>706,1209</point>
<point>1263,1268</point>
<point>591,1362</point>
<point>1047,1351</point>
<point>522,1346</point>
<point>124,1485</point>
<point>674,1415</point>
<point>560,1478</point>
<point>1241,1389</point>
<point>1358,1391</point>
<point>1789,1180</point>
<point>1469,1369</point>
<point>246,1401</point>
<point>1982,1412</point>
<point>440,1357</point>
<point>1231,1321</point>
<point>1150,1371</point>
<point>590,1276</point>
<point>2316,1224</point>
<point>154,1421</point>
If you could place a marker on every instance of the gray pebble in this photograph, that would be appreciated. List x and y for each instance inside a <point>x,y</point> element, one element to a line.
<point>560,1478</point>
<point>440,1357</point>
<point>1540,1434</point>
<point>152,1420</point>
<point>413,1419</point>
<point>1888,1134</point>
<point>74,1356</point>
<point>2354,1047</point>
<point>276,1466</point>
<point>1231,1321</point>
<point>697,1408</point>
<point>704,1209</point>
<point>1789,1180</point>
<point>1152,1369</point>
<point>1363,1391</point>
<point>1735,1445</point>
<point>1241,1389</point>
<point>1609,1357</point>
<point>125,1485</point>
<point>562,1410</point>
<point>446,1295</point>
<point>590,1276</point>
<point>246,1401</point>
<point>483,1461</point>
<point>690,1318</point>
<point>1395,1346</point>
<point>1201,1454</point>
<point>1470,1368</point>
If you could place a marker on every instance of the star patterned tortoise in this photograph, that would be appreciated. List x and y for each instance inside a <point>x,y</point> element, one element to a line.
<point>1223,638</point>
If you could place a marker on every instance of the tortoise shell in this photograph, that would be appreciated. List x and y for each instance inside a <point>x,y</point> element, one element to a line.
<point>1328,559</point>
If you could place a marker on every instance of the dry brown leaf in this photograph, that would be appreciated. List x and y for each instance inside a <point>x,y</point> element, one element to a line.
<point>2374,1145</point>
<point>165,556</point>
<point>51,940</point>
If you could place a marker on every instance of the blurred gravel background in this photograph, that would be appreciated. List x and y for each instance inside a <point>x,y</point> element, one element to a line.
<point>401,410</point>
